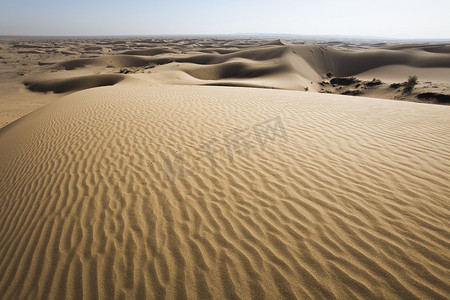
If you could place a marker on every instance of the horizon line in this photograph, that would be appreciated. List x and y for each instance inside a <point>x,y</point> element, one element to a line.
<point>266,35</point>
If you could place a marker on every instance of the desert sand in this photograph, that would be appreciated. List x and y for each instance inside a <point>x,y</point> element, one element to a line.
<point>297,64</point>
<point>223,169</point>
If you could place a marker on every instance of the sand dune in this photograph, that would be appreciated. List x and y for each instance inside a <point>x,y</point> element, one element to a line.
<point>444,48</point>
<point>235,69</point>
<point>398,73</point>
<point>301,67</point>
<point>149,52</point>
<point>275,64</point>
<point>109,193</point>
<point>320,59</point>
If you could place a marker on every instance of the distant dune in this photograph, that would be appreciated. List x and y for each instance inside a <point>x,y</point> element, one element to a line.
<point>310,62</point>
<point>303,65</point>
<point>283,65</point>
<point>307,61</point>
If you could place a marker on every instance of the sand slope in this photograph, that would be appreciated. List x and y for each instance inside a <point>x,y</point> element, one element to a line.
<point>354,204</point>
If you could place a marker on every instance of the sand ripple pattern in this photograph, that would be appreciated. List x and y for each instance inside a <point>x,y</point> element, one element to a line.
<point>354,205</point>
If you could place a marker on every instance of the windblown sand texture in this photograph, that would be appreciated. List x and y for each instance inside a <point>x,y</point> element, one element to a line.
<point>110,193</point>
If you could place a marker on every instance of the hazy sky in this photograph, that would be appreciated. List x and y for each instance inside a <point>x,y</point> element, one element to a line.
<point>382,18</point>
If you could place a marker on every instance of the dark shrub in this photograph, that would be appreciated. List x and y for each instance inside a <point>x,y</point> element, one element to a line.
<point>395,85</point>
<point>374,82</point>
<point>124,71</point>
<point>410,84</point>
<point>344,80</point>
<point>352,92</point>
<point>440,98</point>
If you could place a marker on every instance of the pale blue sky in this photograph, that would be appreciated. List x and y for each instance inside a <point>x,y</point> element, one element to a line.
<point>382,18</point>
